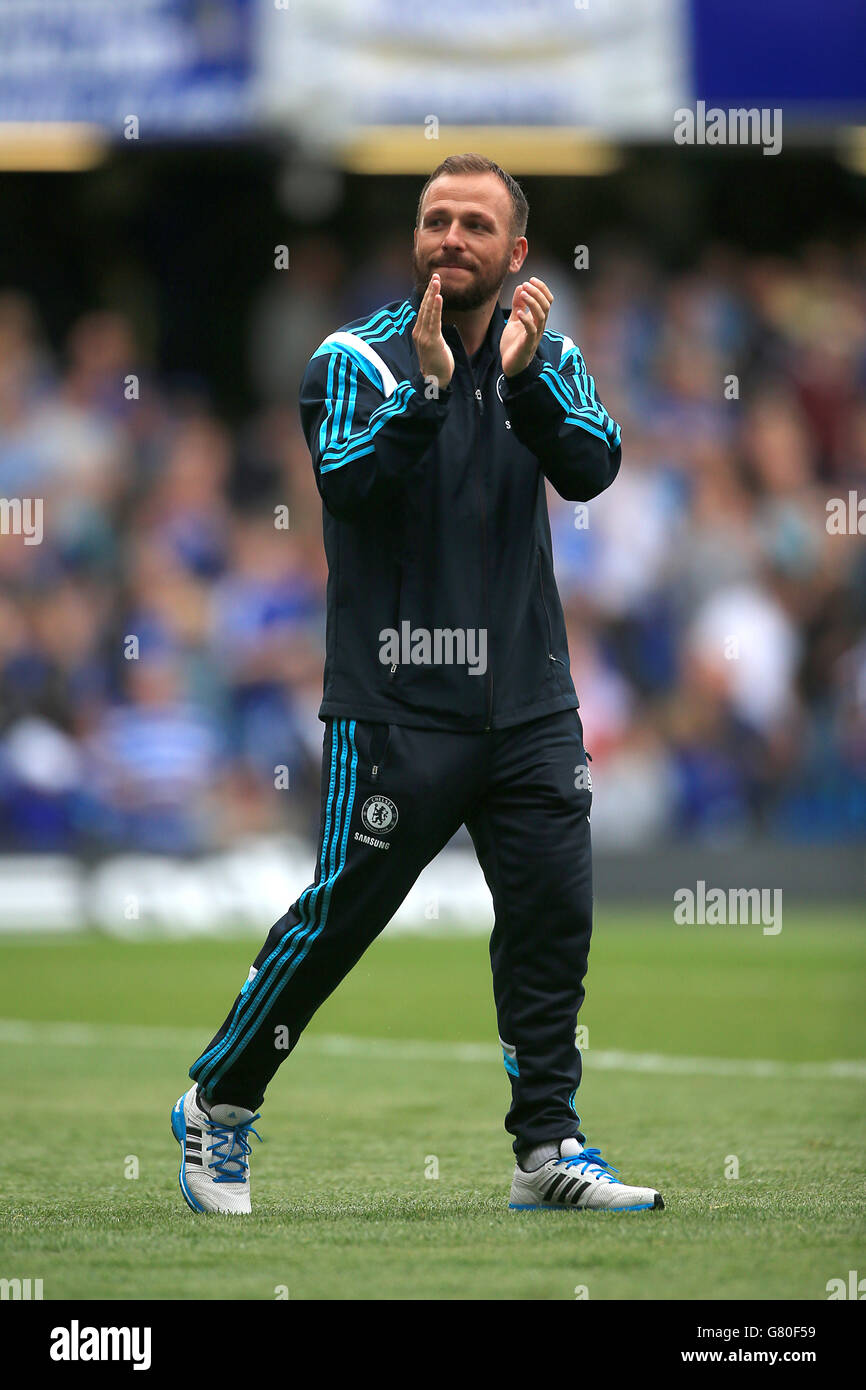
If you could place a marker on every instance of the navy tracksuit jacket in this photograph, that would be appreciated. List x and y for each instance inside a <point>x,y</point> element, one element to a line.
<point>447,693</point>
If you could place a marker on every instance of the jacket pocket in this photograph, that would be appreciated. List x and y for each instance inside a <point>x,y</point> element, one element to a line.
<point>544,603</point>
<point>552,660</point>
<point>398,603</point>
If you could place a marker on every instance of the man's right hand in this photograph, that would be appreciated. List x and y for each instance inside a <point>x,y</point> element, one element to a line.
<point>434,355</point>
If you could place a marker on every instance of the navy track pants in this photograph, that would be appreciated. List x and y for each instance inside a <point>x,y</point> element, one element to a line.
<point>392,797</point>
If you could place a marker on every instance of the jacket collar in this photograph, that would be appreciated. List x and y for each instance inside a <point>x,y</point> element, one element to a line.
<point>498,320</point>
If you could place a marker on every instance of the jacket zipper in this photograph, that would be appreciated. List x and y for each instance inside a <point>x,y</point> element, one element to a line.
<point>483,511</point>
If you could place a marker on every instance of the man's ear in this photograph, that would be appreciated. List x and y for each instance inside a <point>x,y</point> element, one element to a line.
<point>518,254</point>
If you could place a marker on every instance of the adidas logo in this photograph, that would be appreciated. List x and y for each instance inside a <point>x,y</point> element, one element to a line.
<point>562,1189</point>
<point>192,1146</point>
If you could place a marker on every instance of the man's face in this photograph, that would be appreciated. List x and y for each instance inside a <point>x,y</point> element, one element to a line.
<point>465,235</point>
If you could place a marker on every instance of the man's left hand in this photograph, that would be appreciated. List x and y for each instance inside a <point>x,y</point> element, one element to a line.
<point>522,333</point>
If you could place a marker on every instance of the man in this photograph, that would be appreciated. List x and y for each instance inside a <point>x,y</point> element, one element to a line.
<point>432,425</point>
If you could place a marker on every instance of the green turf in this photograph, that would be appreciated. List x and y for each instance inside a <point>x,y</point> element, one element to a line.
<point>343,1208</point>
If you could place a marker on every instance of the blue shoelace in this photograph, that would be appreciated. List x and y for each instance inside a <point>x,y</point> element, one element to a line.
<point>590,1158</point>
<point>238,1151</point>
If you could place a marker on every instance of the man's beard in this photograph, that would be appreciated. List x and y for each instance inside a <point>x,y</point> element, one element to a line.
<point>482,288</point>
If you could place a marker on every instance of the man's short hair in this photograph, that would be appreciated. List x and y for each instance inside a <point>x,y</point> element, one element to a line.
<point>479,164</point>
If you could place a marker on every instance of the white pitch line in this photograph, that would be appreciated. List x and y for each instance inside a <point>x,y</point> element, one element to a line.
<point>60,1035</point>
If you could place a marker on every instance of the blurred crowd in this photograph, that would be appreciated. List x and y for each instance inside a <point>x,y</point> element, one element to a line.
<point>161,649</point>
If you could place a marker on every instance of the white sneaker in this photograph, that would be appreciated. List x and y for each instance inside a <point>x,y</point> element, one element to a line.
<point>214,1154</point>
<point>578,1178</point>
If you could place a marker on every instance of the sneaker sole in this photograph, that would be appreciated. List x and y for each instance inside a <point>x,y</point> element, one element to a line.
<point>657,1205</point>
<point>178,1129</point>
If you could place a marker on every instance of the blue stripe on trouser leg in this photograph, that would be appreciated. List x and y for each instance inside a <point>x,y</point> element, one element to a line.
<point>252,1007</point>
<point>509,1057</point>
<point>260,984</point>
<point>329,887</point>
<point>298,942</point>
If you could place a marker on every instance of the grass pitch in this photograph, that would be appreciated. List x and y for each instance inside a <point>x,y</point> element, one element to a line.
<point>358,1121</point>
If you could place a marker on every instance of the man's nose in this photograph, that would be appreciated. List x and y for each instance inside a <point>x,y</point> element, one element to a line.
<point>452,236</point>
